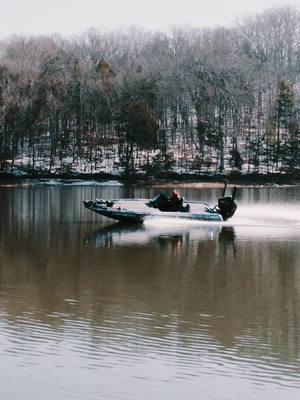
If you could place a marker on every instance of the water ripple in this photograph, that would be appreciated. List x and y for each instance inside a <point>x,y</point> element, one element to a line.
<point>135,341</point>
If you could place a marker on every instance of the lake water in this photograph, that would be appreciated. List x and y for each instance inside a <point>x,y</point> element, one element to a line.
<point>90,309</point>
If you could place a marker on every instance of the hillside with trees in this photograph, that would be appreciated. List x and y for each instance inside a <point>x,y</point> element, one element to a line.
<point>208,101</point>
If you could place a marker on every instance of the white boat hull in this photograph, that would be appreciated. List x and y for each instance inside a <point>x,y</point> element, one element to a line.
<point>128,210</point>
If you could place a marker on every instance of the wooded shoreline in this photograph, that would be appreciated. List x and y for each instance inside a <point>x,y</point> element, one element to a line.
<point>162,180</point>
<point>207,101</point>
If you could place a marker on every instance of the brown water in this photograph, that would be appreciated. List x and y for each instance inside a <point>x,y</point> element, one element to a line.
<point>185,310</point>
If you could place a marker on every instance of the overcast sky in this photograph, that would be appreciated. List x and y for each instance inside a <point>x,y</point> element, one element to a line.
<point>70,17</point>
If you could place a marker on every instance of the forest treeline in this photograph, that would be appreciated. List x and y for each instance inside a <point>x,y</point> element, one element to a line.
<point>206,100</point>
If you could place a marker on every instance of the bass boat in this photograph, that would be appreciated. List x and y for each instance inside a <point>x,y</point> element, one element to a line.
<point>137,210</point>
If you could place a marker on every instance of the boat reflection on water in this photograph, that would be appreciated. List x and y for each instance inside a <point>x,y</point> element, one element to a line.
<point>121,234</point>
<point>227,238</point>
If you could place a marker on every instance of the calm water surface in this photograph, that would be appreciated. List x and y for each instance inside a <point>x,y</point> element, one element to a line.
<point>185,310</point>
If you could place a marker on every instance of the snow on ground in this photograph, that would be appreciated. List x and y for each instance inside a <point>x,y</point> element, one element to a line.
<point>78,182</point>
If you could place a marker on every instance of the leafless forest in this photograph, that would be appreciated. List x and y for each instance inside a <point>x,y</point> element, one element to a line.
<point>191,100</point>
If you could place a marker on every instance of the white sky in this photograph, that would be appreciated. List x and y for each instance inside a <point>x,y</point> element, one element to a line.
<point>75,16</point>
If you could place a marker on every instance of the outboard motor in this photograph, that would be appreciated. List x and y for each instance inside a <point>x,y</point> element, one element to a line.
<point>226,204</point>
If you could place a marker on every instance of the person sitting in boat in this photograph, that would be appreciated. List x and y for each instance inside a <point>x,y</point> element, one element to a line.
<point>166,203</point>
<point>176,201</point>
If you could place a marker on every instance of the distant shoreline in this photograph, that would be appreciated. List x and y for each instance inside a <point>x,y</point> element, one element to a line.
<point>164,180</point>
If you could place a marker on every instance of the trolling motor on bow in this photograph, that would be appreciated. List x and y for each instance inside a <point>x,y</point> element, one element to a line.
<point>226,204</point>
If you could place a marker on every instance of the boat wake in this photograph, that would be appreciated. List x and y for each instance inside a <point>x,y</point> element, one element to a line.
<point>268,215</point>
<point>265,215</point>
